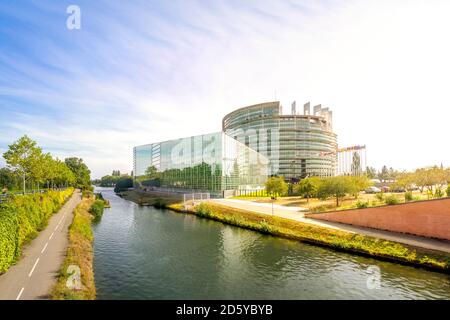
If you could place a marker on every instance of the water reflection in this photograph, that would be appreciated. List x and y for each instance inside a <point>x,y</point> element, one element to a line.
<point>146,253</point>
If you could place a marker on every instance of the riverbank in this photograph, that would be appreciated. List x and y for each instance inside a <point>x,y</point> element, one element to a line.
<point>76,278</point>
<point>339,240</point>
<point>335,239</point>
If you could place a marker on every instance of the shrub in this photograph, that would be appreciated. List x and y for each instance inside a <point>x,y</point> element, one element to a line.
<point>264,227</point>
<point>362,205</point>
<point>123,184</point>
<point>87,194</point>
<point>408,196</point>
<point>448,191</point>
<point>391,200</point>
<point>97,209</point>
<point>380,196</point>
<point>22,218</point>
<point>438,193</point>
<point>160,203</point>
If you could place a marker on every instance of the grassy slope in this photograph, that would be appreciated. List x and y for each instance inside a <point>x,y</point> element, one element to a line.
<point>336,239</point>
<point>79,253</point>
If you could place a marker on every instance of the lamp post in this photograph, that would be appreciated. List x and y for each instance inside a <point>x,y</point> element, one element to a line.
<point>273,200</point>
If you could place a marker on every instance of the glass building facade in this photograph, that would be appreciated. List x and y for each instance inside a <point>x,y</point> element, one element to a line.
<point>297,146</point>
<point>211,163</point>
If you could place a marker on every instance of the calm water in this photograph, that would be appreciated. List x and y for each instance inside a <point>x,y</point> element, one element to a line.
<point>147,253</point>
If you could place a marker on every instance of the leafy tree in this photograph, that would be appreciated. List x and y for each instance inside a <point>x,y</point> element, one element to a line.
<point>357,184</point>
<point>356,164</point>
<point>384,174</point>
<point>109,181</point>
<point>116,173</point>
<point>81,172</point>
<point>152,172</point>
<point>23,157</point>
<point>336,187</point>
<point>123,183</point>
<point>276,185</point>
<point>8,180</point>
<point>371,173</point>
<point>427,178</point>
<point>404,180</point>
<point>307,187</point>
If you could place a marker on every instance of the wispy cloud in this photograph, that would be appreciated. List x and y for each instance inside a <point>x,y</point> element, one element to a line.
<point>144,71</point>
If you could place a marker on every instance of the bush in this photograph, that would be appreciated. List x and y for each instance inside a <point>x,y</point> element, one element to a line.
<point>391,200</point>
<point>380,196</point>
<point>264,227</point>
<point>438,193</point>
<point>448,191</point>
<point>87,194</point>
<point>160,203</point>
<point>97,209</point>
<point>408,196</point>
<point>362,205</point>
<point>123,184</point>
<point>22,218</point>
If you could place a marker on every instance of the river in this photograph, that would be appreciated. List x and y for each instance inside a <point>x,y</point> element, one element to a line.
<point>147,253</point>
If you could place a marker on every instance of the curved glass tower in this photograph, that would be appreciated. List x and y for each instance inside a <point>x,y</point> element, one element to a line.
<point>297,145</point>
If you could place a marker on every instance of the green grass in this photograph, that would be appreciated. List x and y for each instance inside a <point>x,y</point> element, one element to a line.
<point>79,253</point>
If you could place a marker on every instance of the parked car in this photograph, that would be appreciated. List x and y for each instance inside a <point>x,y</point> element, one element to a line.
<point>398,190</point>
<point>373,190</point>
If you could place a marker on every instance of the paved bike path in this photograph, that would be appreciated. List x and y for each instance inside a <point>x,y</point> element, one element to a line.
<point>35,273</point>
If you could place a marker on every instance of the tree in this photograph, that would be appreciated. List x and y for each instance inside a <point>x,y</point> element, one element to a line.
<point>357,184</point>
<point>80,171</point>
<point>404,180</point>
<point>8,180</point>
<point>23,158</point>
<point>109,181</point>
<point>152,172</point>
<point>116,173</point>
<point>337,187</point>
<point>123,184</point>
<point>307,187</point>
<point>384,174</point>
<point>356,164</point>
<point>371,173</point>
<point>276,186</point>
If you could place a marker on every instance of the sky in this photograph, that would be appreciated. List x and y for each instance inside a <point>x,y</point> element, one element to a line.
<point>138,72</point>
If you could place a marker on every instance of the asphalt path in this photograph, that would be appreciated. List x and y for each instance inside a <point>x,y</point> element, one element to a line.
<point>35,273</point>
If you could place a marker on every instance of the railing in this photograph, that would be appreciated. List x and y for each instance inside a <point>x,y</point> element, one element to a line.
<point>4,197</point>
<point>192,199</point>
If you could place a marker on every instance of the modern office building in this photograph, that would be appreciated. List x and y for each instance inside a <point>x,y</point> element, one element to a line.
<point>213,163</point>
<point>297,145</point>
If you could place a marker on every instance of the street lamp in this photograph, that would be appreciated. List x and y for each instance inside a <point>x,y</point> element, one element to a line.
<point>273,200</point>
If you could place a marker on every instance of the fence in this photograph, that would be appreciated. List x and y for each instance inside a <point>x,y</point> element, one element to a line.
<point>192,199</point>
<point>4,197</point>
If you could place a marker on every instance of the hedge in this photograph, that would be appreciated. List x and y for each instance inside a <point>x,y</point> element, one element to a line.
<point>22,218</point>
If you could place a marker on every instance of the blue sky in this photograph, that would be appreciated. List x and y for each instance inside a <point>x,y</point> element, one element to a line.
<point>143,71</point>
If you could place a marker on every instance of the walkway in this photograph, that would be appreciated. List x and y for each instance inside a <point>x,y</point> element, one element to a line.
<point>35,273</point>
<point>295,213</point>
